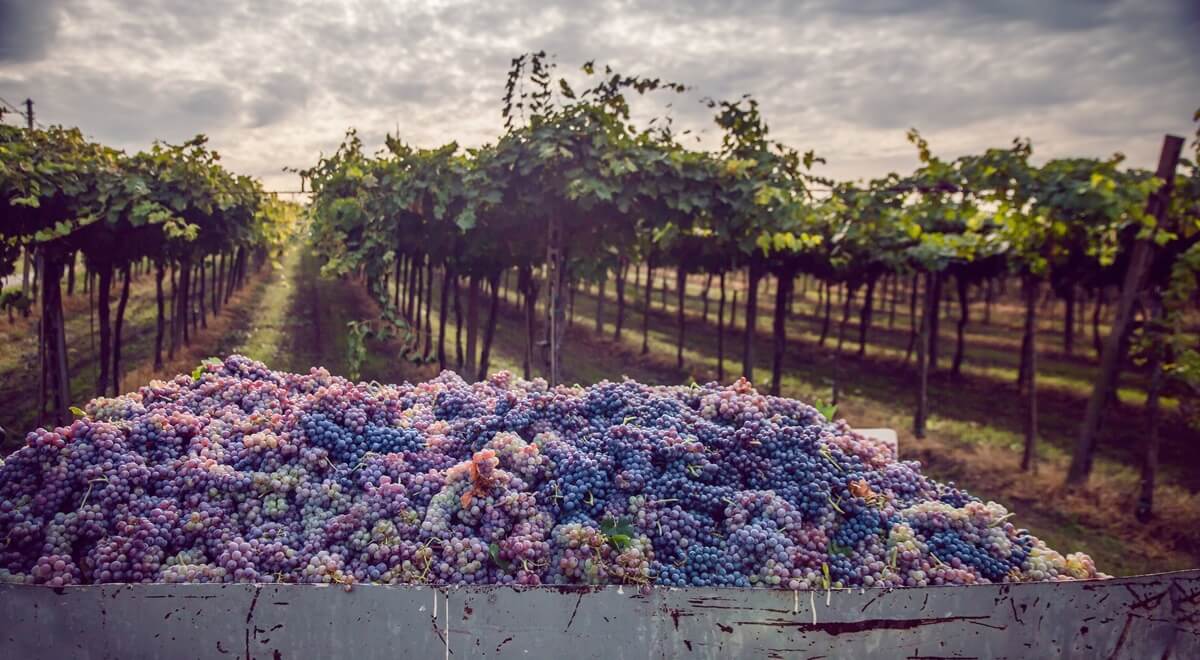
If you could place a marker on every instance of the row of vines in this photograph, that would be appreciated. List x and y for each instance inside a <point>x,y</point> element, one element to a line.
<point>171,209</point>
<point>574,193</point>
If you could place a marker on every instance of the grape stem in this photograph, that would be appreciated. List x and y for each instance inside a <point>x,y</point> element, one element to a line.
<point>91,482</point>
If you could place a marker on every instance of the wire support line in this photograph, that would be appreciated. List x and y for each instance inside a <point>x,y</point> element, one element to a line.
<point>21,113</point>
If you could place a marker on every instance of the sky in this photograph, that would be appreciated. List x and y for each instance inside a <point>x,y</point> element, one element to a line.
<point>275,83</point>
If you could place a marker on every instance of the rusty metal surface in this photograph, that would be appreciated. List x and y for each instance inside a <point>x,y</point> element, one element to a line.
<point>1143,617</point>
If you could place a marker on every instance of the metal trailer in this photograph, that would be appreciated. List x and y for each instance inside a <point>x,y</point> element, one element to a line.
<point>1153,616</point>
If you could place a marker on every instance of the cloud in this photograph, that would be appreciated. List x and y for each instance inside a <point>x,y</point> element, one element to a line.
<point>27,29</point>
<point>130,112</point>
<point>276,82</point>
<point>276,97</point>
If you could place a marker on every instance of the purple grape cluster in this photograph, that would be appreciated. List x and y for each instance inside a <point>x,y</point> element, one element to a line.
<point>247,474</point>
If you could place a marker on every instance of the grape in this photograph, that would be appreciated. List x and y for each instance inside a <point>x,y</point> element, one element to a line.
<point>251,475</point>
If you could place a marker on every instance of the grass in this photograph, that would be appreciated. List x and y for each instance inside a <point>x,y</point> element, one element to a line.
<point>18,360</point>
<point>262,327</point>
<point>991,347</point>
<point>302,324</point>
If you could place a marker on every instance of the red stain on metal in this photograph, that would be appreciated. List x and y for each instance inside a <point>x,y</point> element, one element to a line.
<point>675,614</point>
<point>842,627</point>
<point>743,609</point>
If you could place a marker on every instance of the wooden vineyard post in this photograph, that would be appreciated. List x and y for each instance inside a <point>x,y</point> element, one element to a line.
<point>160,318</point>
<point>929,308</point>
<point>1139,265</point>
<point>1029,455</point>
<point>600,301</point>
<point>443,312</point>
<point>42,366</point>
<point>753,275</point>
<point>556,300</point>
<point>53,336</point>
<point>472,324</point>
<point>783,292</point>
<point>622,273</point>
<point>646,300</point>
<point>680,287</point>
<point>1145,505</point>
<point>26,264</point>
<point>721,331</point>
<point>525,283</point>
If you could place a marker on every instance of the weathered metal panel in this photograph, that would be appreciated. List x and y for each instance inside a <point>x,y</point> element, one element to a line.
<point>1143,617</point>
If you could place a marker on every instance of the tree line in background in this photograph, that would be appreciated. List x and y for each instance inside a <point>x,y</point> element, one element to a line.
<point>574,193</point>
<point>172,210</point>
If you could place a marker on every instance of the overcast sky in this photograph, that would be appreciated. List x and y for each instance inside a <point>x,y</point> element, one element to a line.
<point>275,82</point>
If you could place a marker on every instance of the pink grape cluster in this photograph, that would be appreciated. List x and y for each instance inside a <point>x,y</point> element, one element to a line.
<point>245,474</point>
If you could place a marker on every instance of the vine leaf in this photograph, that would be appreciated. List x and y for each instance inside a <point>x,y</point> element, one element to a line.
<point>202,367</point>
<point>620,533</point>
<point>827,410</point>
<point>494,552</point>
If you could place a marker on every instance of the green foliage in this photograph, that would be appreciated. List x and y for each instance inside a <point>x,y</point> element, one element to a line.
<point>14,300</point>
<point>356,347</point>
<point>619,533</point>
<point>827,410</point>
<point>1175,289</point>
<point>63,193</point>
<point>204,365</point>
<point>494,553</point>
<point>627,193</point>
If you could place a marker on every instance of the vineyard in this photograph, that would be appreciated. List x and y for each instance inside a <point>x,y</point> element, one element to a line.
<point>171,213</point>
<point>574,195</point>
<point>1018,318</point>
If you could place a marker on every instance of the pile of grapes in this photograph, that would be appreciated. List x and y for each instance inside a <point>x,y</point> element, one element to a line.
<point>239,474</point>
